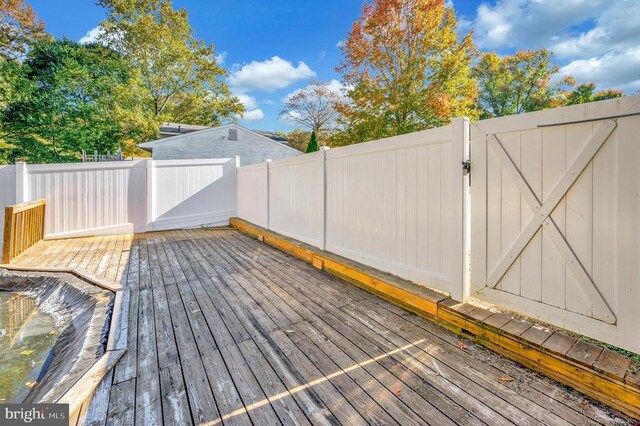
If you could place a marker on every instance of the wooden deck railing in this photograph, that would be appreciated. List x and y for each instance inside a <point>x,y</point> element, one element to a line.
<point>23,228</point>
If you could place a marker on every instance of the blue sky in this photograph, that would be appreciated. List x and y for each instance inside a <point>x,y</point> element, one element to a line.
<point>272,48</point>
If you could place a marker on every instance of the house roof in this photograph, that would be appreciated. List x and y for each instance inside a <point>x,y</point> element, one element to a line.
<point>272,135</point>
<point>148,146</point>
<point>175,129</point>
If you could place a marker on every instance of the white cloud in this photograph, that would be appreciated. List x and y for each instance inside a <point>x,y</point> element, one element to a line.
<point>617,70</point>
<point>597,40</point>
<point>530,23</point>
<point>340,44</point>
<point>255,114</point>
<point>251,105</point>
<point>221,58</point>
<point>616,28</point>
<point>249,102</point>
<point>91,36</point>
<point>269,75</point>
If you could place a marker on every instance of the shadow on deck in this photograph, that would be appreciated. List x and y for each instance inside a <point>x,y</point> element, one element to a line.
<point>226,330</point>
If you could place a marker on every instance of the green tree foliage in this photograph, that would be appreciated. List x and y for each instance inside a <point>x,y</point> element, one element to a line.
<point>313,143</point>
<point>407,68</point>
<point>180,72</point>
<point>524,82</point>
<point>73,97</point>
<point>299,138</point>
<point>518,83</point>
<point>584,93</point>
<point>11,82</point>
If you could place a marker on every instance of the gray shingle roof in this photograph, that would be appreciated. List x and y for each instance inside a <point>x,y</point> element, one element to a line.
<point>174,129</point>
<point>272,135</point>
<point>251,146</point>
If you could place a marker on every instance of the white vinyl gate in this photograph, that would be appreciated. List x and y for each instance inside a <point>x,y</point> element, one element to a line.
<point>555,213</point>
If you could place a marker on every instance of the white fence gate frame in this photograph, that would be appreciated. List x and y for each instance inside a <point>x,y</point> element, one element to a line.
<point>555,211</point>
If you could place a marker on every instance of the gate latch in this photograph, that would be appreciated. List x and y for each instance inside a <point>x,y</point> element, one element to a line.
<point>466,167</point>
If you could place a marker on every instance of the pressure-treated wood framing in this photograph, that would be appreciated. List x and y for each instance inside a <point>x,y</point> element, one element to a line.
<point>23,228</point>
<point>225,330</point>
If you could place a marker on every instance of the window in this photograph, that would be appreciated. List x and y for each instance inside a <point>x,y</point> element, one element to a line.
<point>233,134</point>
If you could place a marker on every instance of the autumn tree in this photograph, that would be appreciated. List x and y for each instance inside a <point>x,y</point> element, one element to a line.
<point>313,107</point>
<point>20,27</point>
<point>179,71</point>
<point>585,92</point>
<point>408,68</point>
<point>298,139</point>
<point>519,83</point>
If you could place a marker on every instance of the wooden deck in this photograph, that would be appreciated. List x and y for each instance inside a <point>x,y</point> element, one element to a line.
<point>226,330</point>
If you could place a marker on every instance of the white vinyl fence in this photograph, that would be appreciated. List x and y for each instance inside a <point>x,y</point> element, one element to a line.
<point>549,228</point>
<point>395,204</point>
<point>126,196</point>
<point>296,197</point>
<point>556,217</point>
<point>185,193</point>
<point>253,193</point>
<point>552,216</point>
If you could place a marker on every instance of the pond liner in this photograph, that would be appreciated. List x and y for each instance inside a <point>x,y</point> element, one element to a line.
<point>81,310</point>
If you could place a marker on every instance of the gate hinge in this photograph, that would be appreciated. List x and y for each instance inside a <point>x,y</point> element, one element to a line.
<point>466,167</point>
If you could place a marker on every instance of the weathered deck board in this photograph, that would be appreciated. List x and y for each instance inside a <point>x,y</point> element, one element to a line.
<point>226,330</point>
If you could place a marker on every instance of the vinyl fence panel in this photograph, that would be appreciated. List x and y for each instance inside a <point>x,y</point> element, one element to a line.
<point>191,193</point>
<point>109,198</point>
<point>89,198</point>
<point>397,205</point>
<point>296,197</point>
<point>253,193</point>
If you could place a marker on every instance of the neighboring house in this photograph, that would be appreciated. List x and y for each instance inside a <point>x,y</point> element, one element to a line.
<point>168,130</point>
<point>226,141</point>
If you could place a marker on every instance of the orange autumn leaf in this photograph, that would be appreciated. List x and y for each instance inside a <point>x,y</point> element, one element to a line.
<point>406,68</point>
